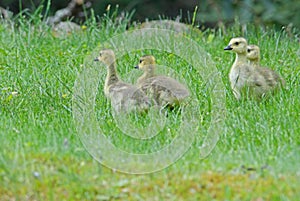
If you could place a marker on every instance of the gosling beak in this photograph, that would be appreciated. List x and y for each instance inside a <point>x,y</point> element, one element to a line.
<point>96,59</point>
<point>136,67</point>
<point>228,47</point>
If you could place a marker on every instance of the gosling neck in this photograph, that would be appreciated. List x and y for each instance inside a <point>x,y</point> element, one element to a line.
<point>241,58</point>
<point>148,73</point>
<point>112,75</point>
<point>254,62</point>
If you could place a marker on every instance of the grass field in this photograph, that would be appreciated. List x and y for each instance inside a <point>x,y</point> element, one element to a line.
<point>42,158</point>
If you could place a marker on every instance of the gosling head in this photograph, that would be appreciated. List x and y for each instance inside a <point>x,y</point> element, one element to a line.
<point>146,63</point>
<point>253,53</point>
<point>238,45</point>
<point>107,56</point>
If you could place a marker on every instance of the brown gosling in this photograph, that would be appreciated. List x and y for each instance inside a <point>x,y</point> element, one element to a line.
<point>165,91</point>
<point>124,97</point>
<point>246,79</point>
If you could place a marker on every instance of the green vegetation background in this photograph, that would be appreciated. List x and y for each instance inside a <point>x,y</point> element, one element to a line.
<point>42,158</point>
<point>210,12</point>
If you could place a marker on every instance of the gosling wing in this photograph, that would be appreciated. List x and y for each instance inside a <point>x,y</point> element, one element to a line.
<point>126,97</point>
<point>272,78</point>
<point>165,90</point>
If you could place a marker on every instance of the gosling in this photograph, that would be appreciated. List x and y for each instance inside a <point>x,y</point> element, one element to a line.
<point>124,97</point>
<point>253,56</point>
<point>246,79</point>
<point>165,91</point>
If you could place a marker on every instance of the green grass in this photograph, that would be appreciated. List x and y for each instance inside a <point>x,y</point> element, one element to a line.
<point>42,157</point>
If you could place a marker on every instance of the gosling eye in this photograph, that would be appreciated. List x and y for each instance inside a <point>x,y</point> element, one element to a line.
<point>236,43</point>
<point>248,50</point>
<point>100,54</point>
<point>141,61</point>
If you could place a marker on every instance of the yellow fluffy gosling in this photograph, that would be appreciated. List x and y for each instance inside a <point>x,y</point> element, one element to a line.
<point>247,79</point>
<point>165,91</point>
<point>124,97</point>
